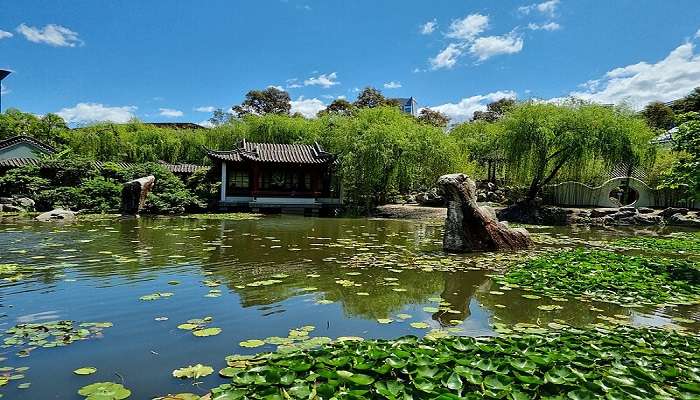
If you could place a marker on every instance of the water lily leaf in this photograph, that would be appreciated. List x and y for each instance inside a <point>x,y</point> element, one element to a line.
<point>420,325</point>
<point>104,391</point>
<point>384,320</point>
<point>207,332</point>
<point>252,343</point>
<point>193,371</point>
<point>85,371</point>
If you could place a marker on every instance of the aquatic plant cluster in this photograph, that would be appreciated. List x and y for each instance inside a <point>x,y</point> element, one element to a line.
<point>622,363</point>
<point>683,244</point>
<point>609,277</point>
<point>29,336</point>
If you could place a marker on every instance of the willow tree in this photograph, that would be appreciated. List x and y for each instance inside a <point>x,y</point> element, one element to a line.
<point>540,140</point>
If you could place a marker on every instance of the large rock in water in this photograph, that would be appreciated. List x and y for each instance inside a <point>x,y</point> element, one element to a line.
<point>57,214</point>
<point>134,194</point>
<point>468,227</point>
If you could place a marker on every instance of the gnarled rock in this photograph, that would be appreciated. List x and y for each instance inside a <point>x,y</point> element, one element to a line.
<point>134,194</point>
<point>57,214</point>
<point>468,227</point>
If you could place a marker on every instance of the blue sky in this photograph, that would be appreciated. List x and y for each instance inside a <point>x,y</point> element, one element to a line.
<point>163,60</point>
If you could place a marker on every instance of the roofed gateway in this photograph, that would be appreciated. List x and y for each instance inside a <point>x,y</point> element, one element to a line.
<point>287,177</point>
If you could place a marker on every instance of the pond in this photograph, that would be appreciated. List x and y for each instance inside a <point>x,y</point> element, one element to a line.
<point>141,280</point>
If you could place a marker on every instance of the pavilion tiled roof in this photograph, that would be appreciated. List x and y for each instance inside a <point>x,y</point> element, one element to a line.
<point>28,140</point>
<point>274,153</point>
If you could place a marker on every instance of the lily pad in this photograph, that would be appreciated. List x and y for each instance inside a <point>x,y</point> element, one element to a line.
<point>85,371</point>
<point>104,391</point>
<point>193,371</point>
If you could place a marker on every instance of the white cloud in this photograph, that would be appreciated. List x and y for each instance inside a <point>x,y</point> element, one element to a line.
<point>549,26</point>
<point>468,27</point>
<point>638,84</point>
<point>428,27</point>
<point>323,80</point>
<point>169,112</point>
<point>95,112</point>
<point>206,123</point>
<point>547,8</point>
<point>486,47</point>
<point>4,90</point>
<point>307,107</point>
<point>5,34</point>
<point>54,35</point>
<point>697,34</point>
<point>205,109</point>
<point>278,87</point>
<point>464,109</point>
<point>447,58</point>
<point>392,85</point>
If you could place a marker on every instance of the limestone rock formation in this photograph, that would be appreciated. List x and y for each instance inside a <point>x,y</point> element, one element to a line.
<point>57,214</point>
<point>134,194</point>
<point>468,227</point>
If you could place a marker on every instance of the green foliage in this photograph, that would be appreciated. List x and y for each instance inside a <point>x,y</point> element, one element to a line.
<point>658,115</point>
<point>434,118</point>
<point>685,173</point>
<point>690,103</point>
<point>677,243</point>
<point>261,102</point>
<point>566,363</point>
<point>541,140</point>
<point>611,277</point>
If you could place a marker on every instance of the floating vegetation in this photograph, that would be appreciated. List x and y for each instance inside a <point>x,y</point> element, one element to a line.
<point>609,277</point>
<point>50,334</point>
<point>10,272</point>
<point>677,243</point>
<point>104,391</point>
<point>621,363</point>
<point>225,216</point>
<point>85,371</point>
<point>193,371</point>
<point>199,327</point>
<point>156,296</point>
<point>179,396</point>
<point>9,374</point>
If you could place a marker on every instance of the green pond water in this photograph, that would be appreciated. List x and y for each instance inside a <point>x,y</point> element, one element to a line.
<point>255,279</point>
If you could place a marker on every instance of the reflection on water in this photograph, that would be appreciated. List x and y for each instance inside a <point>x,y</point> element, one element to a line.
<point>273,274</point>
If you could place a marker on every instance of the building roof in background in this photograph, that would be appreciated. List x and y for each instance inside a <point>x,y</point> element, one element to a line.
<point>22,139</point>
<point>274,153</point>
<point>175,125</point>
<point>404,101</point>
<point>174,168</point>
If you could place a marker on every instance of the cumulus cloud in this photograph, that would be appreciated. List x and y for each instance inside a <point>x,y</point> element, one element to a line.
<point>169,112</point>
<point>307,107</point>
<point>428,27</point>
<point>638,84</point>
<point>465,108</point>
<point>5,34</point>
<point>323,80</point>
<point>205,109</point>
<point>53,35</point>
<point>95,112</point>
<point>486,47</point>
<point>392,85</point>
<point>468,27</point>
<point>548,8</point>
<point>447,58</point>
<point>549,26</point>
<point>278,87</point>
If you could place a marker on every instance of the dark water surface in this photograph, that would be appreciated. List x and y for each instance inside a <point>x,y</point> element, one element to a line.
<point>338,275</point>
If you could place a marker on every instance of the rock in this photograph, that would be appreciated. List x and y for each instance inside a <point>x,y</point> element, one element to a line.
<point>667,213</point>
<point>624,214</point>
<point>602,212</point>
<point>647,220</point>
<point>645,210</point>
<point>481,197</point>
<point>57,214</point>
<point>24,202</point>
<point>628,209</point>
<point>468,227</point>
<point>9,208</point>
<point>411,199</point>
<point>683,220</point>
<point>134,194</point>
<point>532,212</point>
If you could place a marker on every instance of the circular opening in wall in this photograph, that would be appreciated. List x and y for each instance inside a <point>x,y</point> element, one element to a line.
<point>623,196</point>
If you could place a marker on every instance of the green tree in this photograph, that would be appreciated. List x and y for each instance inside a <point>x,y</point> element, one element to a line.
<point>658,115</point>
<point>495,110</point>
<point>685,172</point>
<point>690,103</point>
<point>370,98</point>
<point>539,141</point>
<point>339,107</point>
<point>434,118</point>
<point>260,102</point>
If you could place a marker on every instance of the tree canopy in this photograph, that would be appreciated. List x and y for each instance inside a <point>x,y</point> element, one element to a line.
<point>260,102</point>
<point>658,115</point>
<point>434,118</point>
